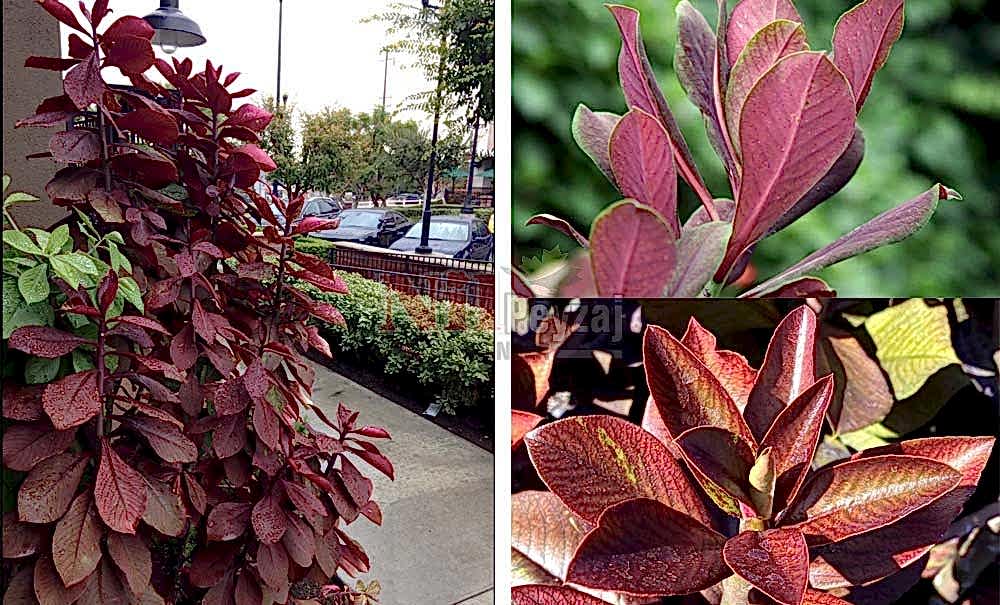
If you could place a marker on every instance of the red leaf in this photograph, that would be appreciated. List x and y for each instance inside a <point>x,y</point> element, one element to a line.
<point>126,26</point>
<point>521,423</point>
<point>373,432</point>
<point>210,563</point>
<point>776,562</point>
<point>632,251</point>
<point>25,445</point>
<point>593,462</point>
<point>551,595</point>
<point>155,126</point>
<point>265,422</point>
<point>41,341</point>
<point>196,493</point>
<point>721,461</point>
<point>228,521</point>
<point>643,164</point>
<point>642,92</point>
<point>183,350</point>
<point>793,438</point>
<point>796,122</point>
<point>864,494</point>
<point>645,548</point>
<point>83,83</point>
<point>313,223</point>
<point>20,590</point>
<point>269,521</point>
<point>874,555</point>
<point>164,511</point>
<point>72,400</point>
<point>272,565</point>
<point>862,40</point>
<point>76,543</point>
<point>143,322</point>
<point>300,542</point>
<point>318,342</point>
<point>49,587</point>
<point>545,531</point>
<point>750,16</point>
<point>154,173</point>
<point>50,63</point>
<point>247,590</point>
<point>47,491</point>
<point>22,539</point>
<point>107,290</point>
<point>61,12</point>
<point>730,368</point>
<point>130,54</point>
<point>378,461</point>
<point>75,146</point>
<point>231,397</point>
<point>119,491</point>
<point>230,436</point>
<point>327,284</point>
<point>787,371</point>
<point>304,499</point>
<point>222,592</point>
<point>165,438</point>
<point>22,402</point>
<point>686,392</point>
<point>249,116</point>
<point>132,556</point>
<point>259,156</point>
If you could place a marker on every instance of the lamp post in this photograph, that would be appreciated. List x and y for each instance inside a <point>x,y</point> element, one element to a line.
<point>281,11</point>
<point>173,28</point>
<point>425,229</point>
<point>467,205</point>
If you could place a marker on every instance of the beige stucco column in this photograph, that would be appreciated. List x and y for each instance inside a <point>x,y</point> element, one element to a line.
<point>28,30</point>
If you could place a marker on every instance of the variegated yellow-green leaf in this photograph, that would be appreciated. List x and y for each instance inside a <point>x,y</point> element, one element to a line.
<point>913,341</point>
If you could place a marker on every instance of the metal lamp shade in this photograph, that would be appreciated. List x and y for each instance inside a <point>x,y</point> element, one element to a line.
<point>174,28</point>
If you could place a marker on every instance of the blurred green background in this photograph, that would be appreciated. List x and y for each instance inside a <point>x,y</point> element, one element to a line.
<point>933,115</point>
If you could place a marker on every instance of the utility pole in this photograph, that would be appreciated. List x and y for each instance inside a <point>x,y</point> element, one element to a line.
<point>385,78</point>
<point>467,206</point>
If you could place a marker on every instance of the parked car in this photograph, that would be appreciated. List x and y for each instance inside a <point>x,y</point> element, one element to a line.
<point>369,226</point>
<point>465,237</point>
<point>405,199</point>
<point>322,207</point>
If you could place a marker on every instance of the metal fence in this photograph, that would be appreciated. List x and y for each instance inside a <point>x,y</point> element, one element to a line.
<point>441,278</point>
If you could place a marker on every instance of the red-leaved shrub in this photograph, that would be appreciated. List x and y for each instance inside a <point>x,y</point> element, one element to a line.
<point>716,492</point>
<point>189,463</point>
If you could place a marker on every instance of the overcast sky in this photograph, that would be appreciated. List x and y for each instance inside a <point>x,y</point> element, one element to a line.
<point>329,57</point>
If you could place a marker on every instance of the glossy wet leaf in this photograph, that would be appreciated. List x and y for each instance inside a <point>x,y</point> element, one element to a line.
<point>593,462</point>
<point>76,546</point>
<point>721,461</point>
<point>643,547</point>
<point>793,438</point>
<point>545,531</point>
<point>861,495</point>
<point>119,492</point>
<point>687,394</point>
<point>776,562</point>
<point>862,395</point>
<point>729,367</point>
<point>787,371</point>
<point>633,252</point>
<point>47,491</point>
<point>551,595</point>
<point>72,400</point>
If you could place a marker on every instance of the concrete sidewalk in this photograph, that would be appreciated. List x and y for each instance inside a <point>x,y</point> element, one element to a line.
<point>435,546</point>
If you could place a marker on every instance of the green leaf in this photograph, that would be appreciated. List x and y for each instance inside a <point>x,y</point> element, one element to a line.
<point>82,361</point>
<point>118,260</point>
<point>914,412</point>
<point>83,263</point>
<point>58,240</point>
<point>913,341</point>
<point>874,435</point>
<point>38,370</point>
<point>6,182</point>
<point>20,241</point>
<point>130,290</point>
<point>17,313</point>
<point>34,283</point>
<point>66,270</point>
<point>115,237</point>
<point>41,237</point>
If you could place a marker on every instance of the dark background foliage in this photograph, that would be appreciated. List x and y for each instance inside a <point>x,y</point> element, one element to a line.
<point>927,120</point>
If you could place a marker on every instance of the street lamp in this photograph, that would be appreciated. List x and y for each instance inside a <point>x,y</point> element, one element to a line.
<point>173,28</point>
<point>425,228</point>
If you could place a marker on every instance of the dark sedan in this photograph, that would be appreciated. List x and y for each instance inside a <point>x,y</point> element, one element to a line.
<point>455,236</point>
<point>369,226</point>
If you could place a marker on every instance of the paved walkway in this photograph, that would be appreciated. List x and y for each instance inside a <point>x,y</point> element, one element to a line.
<point>435,546</point>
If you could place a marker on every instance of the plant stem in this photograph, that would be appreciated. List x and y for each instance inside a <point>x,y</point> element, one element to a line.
<point>102,388</point>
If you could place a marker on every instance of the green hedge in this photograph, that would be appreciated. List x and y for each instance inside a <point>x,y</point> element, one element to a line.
<point>446,348</point>
<point>414,212</point>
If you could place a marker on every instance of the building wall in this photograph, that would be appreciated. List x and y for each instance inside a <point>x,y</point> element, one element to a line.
<point>28,30</point>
